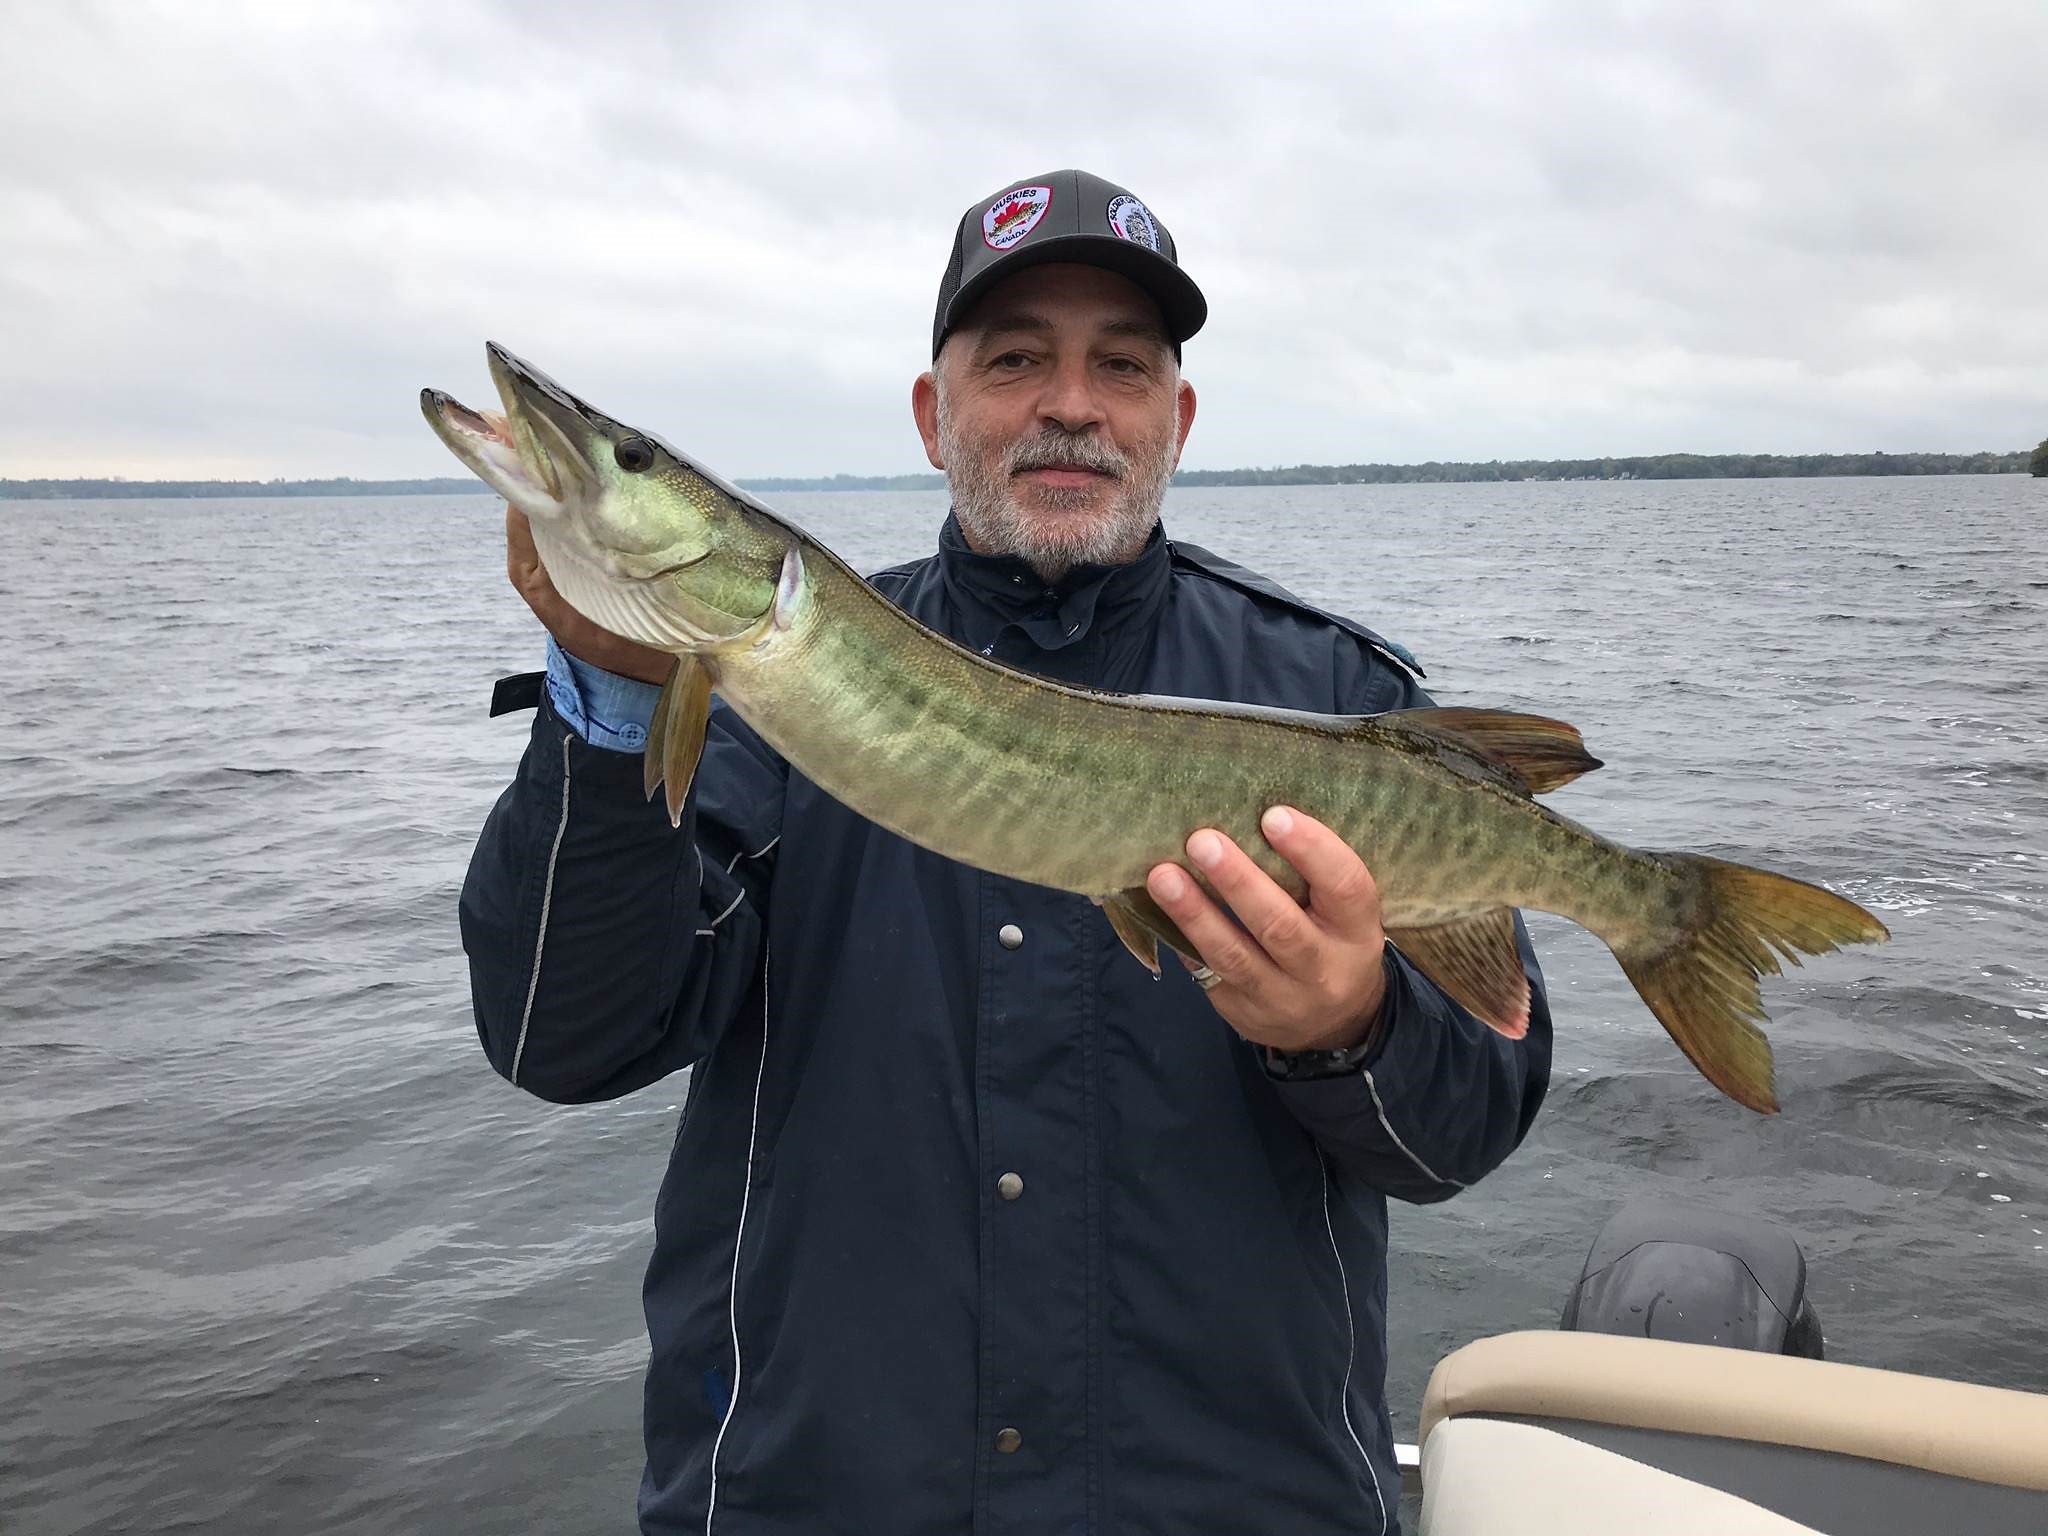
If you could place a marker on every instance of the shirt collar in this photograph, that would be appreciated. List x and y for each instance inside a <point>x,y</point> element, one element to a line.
<point>992,593</point>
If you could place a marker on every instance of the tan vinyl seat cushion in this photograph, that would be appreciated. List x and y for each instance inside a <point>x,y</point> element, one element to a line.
<point>1986,1433</point>
<point>1482,1477</point>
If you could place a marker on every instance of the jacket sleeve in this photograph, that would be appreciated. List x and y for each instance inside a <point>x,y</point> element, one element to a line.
<point>1443,1099</point>
<point>607,948</point>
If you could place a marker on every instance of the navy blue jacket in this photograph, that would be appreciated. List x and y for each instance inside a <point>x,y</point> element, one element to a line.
<point>858,1323</point>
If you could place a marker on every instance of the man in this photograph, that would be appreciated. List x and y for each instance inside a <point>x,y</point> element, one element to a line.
<point>971,1225</point>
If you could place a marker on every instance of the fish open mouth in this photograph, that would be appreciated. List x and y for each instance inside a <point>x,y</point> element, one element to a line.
<point>503,452</point>
<point>550,456</point>
<point>527,453</point>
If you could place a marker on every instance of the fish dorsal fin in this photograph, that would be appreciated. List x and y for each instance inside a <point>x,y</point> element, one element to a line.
<point>1143,926</point>
<point>675,740</point>
<point>1540,754</point>
<point>1475,959</point>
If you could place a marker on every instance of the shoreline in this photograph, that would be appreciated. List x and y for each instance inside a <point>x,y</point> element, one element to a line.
<point>1676,466</point>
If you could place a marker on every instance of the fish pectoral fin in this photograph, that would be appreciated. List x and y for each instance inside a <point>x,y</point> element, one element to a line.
<point>1138,939</point>
<point>1143,926</point>
<point>675,740</point>
<point>1476,961</point>
<point>1543,754</point>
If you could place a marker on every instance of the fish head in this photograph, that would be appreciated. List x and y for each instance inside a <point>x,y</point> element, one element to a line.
<point>634,535</point>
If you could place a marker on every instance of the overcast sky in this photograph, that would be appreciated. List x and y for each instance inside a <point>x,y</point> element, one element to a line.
<point>235,240</point>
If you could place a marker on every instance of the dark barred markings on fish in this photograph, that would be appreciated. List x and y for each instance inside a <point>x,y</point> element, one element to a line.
<point>1086,791</point>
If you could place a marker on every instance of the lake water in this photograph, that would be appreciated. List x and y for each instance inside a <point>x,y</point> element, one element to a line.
<point>278,1251</point>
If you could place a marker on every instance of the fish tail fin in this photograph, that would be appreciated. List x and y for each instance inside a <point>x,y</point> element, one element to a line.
<point>1701,980</point>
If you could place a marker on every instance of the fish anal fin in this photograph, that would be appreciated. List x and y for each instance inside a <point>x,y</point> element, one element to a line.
<point>1143,926</point>
<point>1543,754</point>
<point>675,739</point>
<point>1476,961</point>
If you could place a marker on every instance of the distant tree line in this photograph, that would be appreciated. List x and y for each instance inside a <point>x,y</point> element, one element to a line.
<point>926,482</point>
<point>1663,466</point>
<point>120,489</point>
<point>116,488</point>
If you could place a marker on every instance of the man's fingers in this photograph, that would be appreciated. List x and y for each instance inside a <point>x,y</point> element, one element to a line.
<point>522,560</point>
<point>1273,917</point>
<point>1342,894</point>
<point>1224,947</point>
<point>1294,978</point>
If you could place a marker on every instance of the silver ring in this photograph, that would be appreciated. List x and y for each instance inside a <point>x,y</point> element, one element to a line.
<point>1205,978</point>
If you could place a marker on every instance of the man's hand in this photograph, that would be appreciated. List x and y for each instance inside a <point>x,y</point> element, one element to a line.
<point>1294,978</point>
<point>573,632</point>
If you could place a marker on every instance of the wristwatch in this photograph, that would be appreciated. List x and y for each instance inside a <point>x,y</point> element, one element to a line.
<point>1306,1066</point>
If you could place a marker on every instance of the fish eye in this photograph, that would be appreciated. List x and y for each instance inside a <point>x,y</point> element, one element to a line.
<point>635,454</point>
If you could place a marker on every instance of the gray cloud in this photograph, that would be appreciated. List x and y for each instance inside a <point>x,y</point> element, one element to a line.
<point>237,239</point>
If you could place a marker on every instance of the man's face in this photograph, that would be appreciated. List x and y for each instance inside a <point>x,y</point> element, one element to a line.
<point>1058,413</point>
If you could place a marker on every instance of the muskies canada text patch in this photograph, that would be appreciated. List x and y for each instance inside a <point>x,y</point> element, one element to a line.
<point>1014,215</point>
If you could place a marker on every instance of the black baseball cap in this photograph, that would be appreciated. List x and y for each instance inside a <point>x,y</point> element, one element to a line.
<point>1066,216</point>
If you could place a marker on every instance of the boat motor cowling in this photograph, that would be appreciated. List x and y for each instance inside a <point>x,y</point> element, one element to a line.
<point>1664,1270</point>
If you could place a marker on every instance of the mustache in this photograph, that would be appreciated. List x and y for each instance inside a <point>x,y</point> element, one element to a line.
<point>1055,448</point>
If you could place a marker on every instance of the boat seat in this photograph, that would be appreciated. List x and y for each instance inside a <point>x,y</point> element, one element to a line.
<point>1483,1477</point>
<point>1843,1449</point>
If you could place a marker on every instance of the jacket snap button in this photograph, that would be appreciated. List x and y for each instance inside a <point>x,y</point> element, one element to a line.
<point>1007,1440</point>
<point>1010,936</point>
<point>1010,1186</point>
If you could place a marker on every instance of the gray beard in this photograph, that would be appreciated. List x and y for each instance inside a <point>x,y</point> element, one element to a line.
<point>985,501</point>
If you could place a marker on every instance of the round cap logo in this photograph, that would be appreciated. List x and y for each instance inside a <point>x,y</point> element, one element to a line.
<point>1013,216</point>
<point>1132,220</point>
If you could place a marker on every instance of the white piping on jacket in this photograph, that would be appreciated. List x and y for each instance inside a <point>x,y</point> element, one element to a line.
<point>757,853</point>
<point>1350,1342</point>
<point>1395,1136</point>
<point>547,900</point>
<point>731,906</point>
<point>732,1313</point>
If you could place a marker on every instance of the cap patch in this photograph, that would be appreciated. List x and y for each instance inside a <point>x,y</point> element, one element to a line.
<point>1132,221</point>
<point>1013,216</point>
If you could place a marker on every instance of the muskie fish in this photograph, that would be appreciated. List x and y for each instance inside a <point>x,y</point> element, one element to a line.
<point>1086,791</point>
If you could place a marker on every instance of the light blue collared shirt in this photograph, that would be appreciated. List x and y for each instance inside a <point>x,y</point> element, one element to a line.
<point>605,709</point>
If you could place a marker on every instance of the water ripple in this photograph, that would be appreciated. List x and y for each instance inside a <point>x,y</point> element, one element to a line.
<point>269,1210</point>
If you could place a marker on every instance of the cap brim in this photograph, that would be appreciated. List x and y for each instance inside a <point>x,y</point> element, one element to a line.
<point>1180,302</point>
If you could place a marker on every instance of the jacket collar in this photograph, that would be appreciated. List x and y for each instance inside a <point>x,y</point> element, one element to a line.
<point>993,593</point>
